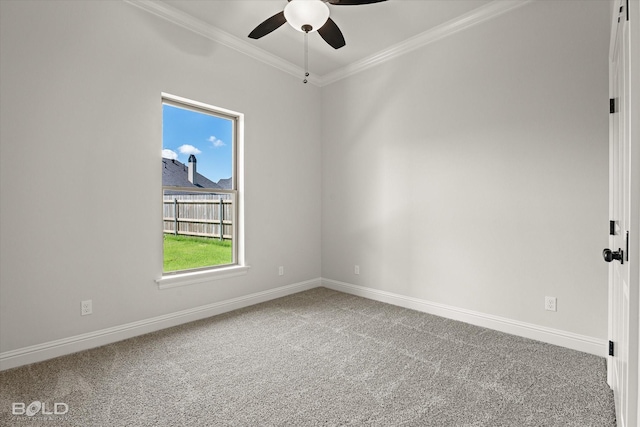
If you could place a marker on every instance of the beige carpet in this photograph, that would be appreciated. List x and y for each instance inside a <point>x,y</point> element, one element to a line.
<point>315,358</point>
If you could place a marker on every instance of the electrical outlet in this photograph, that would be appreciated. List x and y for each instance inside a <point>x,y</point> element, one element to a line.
<point>356,270</point>
<point>281,271</point>
<point>550,303</point>
<point>86,307</point>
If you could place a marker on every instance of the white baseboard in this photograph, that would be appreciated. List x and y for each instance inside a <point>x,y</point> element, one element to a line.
<point>51,349</point>
<point>570,340</point>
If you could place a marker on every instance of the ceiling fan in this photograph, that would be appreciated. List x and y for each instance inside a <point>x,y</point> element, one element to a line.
<point>308,16</point>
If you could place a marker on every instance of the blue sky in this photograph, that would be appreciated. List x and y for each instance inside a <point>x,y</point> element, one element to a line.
<point>209,138</point>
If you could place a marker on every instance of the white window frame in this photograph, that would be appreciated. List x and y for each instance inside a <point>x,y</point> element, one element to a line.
<point>238,266</point>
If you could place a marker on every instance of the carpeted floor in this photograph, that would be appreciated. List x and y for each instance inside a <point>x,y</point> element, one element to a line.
<point>316,358</point>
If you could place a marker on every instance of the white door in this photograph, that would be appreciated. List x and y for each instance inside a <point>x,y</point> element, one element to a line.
<point>625,215</point>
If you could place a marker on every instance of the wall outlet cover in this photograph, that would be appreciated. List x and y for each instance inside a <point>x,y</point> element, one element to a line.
<point>86,307</point>
<point>550,303</point>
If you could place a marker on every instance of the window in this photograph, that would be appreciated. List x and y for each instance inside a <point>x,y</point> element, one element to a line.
<point>200,198</point>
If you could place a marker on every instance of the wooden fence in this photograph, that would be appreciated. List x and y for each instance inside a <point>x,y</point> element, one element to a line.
<point>203,215</point>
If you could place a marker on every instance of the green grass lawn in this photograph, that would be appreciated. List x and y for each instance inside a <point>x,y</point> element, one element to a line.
<point>186,252</point>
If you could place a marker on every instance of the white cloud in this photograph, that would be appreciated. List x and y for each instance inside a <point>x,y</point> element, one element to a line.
<point>188,149</point>
<point>169,154</point>
<point>216,142</point>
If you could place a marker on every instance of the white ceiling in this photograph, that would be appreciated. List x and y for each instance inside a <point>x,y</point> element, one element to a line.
<point>369,30</point>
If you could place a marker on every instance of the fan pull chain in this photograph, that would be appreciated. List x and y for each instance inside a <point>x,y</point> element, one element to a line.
<point>306,57</point>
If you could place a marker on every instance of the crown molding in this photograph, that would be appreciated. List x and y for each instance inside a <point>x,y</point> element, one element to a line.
<point>476,16</point>
<point>211,32</point>
<point>462,22</point>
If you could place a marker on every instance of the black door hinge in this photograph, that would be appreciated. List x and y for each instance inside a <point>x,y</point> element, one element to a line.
<point>627,251</point>
<point>612,228</point>
<point>627,10</point>
<point>610,348</point>
<point>612,105</point>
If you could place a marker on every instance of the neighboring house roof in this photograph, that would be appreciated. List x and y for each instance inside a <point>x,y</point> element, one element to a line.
<point>225,184</point>
<point>176,174</point>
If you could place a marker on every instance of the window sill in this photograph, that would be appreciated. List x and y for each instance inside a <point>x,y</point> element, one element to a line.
<point>195,277</point>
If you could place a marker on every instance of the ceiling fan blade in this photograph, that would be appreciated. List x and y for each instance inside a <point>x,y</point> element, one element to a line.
<point>332,34</point>
<point>268,26</point>
<point>353,2</point>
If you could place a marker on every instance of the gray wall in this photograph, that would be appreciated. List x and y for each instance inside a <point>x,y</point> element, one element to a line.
<point>474,171</point>
<point>81,124</point>
<point>471,172</point>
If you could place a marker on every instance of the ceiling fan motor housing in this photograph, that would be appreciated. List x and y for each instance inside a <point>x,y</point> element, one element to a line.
<point>302,14</point>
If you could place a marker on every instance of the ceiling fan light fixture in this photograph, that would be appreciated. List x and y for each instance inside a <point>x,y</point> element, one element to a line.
<point>303,13</point>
